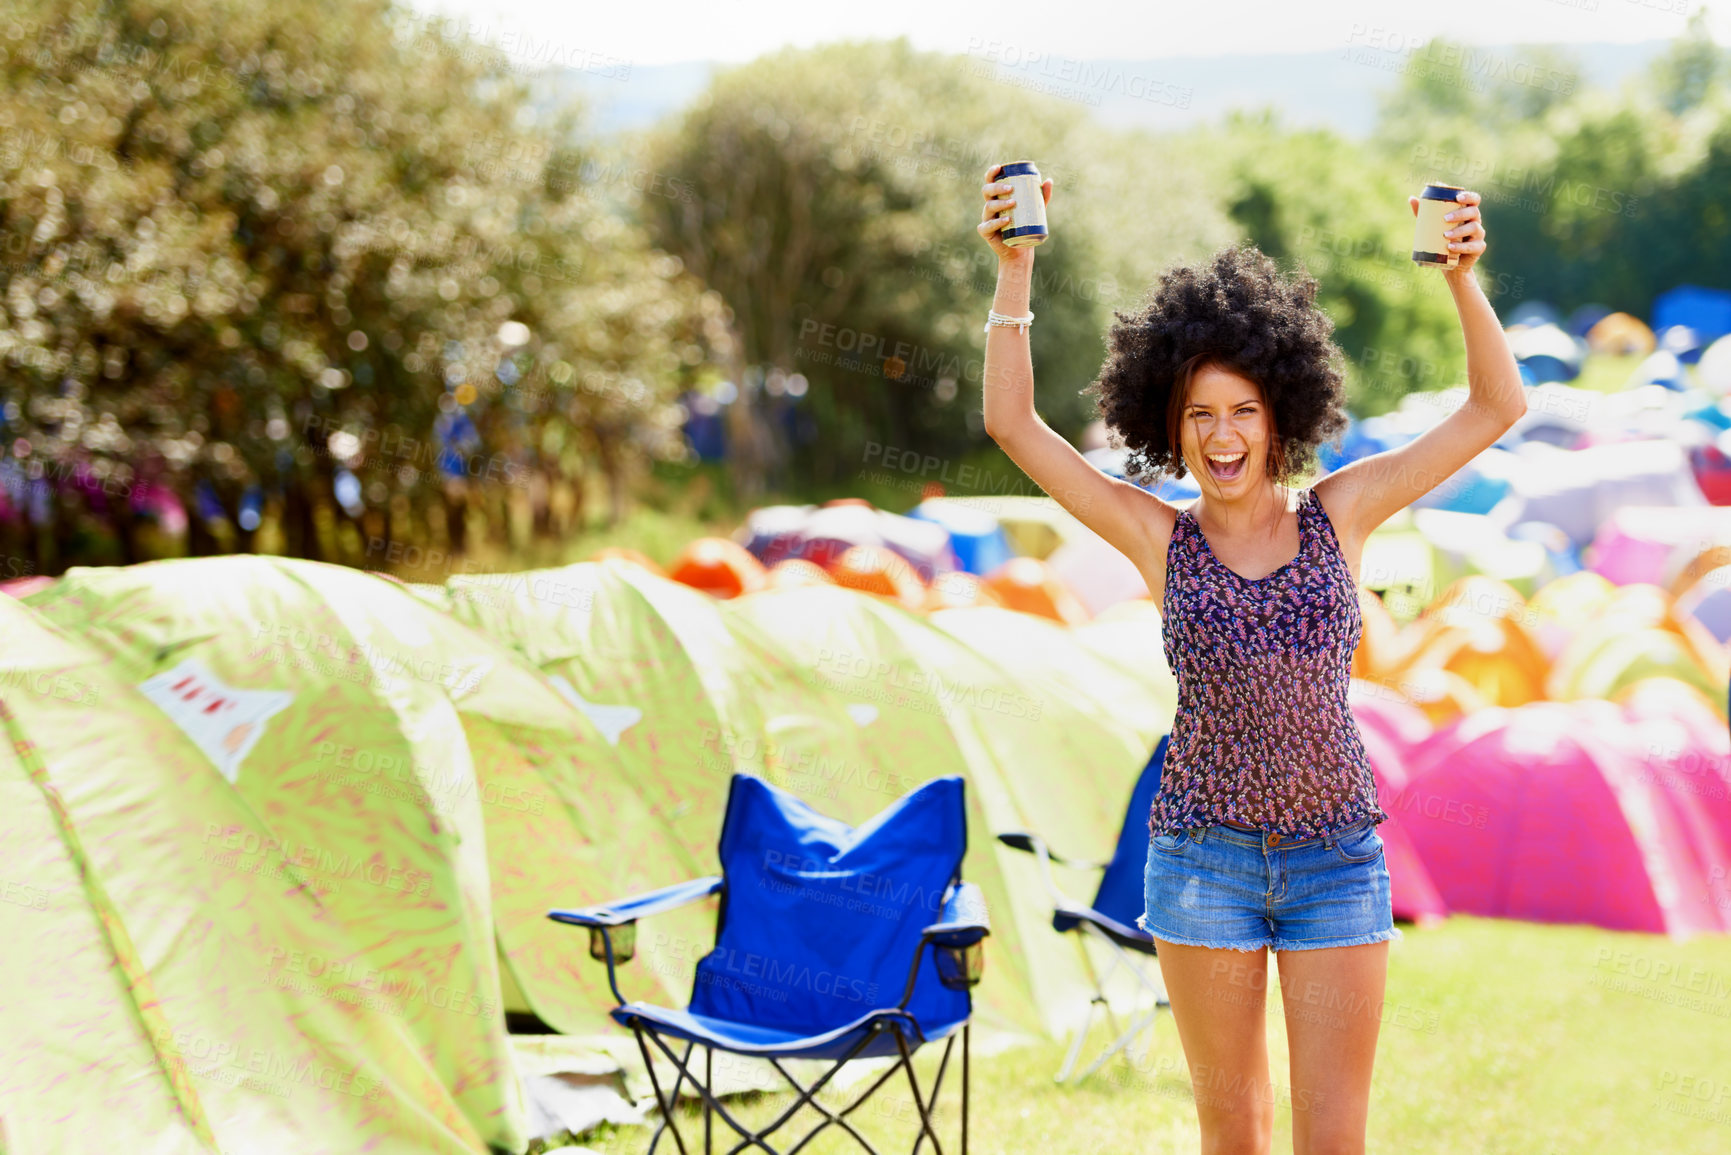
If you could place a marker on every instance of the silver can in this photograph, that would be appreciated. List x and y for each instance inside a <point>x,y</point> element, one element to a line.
<point>1027,224</point>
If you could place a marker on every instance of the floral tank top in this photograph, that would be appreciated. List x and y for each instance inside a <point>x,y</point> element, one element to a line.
<point>1264,736</point>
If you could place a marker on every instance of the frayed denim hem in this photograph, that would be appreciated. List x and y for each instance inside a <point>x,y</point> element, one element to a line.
<point>1393,934</point>
<point>1175,941</point>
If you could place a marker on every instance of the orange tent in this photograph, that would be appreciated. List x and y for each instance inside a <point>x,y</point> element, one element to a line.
<point>1698,567</point>
<point>1028,584</point>
<point>1380,646</point>
<point>1442,694</point>
<point>1497,657</point>
<point>1477,630</point>
<point>880,571</point>
<point>1620,335</point>
<point>718,566</point>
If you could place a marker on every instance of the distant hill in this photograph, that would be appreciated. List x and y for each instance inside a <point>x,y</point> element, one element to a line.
<point>1337,89</point>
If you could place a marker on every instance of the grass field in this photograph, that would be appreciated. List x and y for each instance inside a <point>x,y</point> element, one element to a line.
<point>1498,1037</point>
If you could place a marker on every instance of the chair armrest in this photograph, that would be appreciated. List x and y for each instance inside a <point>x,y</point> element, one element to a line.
<point>1034,844</point>
<point>962,921</point>
<point>628,910</point>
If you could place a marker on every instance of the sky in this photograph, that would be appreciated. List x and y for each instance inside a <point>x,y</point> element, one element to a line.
<point>651,32</point>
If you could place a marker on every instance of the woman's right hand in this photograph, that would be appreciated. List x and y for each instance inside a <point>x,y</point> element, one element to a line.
<point>995,215</point>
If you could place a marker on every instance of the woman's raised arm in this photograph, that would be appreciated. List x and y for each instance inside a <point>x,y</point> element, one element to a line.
<point>1123,514</point>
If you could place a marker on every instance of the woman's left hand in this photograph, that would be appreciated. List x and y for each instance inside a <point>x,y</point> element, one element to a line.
<point>1466,232</point>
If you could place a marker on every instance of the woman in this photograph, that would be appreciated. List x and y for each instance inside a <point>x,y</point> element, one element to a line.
<point>1264,829</point>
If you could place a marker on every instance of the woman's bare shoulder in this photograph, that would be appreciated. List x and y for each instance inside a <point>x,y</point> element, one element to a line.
<point>1160,517</point>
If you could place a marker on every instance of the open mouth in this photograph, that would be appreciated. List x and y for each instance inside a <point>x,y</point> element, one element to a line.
<point>1225,466</point>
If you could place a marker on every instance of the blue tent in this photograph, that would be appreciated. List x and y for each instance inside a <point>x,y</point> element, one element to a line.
<point>1707,311</point>
<point>1534,313</point>
<point>1549,353</point>
<point>1585,317</point>
<point>975,535</point>
<point>1111,462</point>
<point>1361,439</point>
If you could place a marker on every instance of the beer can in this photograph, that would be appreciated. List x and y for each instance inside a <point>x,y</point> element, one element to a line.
<point>1429,245</point>
<point>1028,215</point>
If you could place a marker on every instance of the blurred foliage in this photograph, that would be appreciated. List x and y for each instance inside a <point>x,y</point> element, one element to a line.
<point>1687,75</point>
<point>333,279</point>
<point>312,269</point>
<point>1589,196</point>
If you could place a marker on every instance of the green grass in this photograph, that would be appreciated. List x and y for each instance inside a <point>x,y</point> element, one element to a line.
<point>1498,1037</point>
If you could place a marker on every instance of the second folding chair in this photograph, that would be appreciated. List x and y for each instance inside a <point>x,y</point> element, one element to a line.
<point>1111,920</point>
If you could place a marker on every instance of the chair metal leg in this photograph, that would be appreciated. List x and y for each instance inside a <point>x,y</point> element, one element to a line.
<point>1121,1042</point>
<point>926,1128</point>
<point>805,1096</point>
<point>966,1027</point>
<point>1081,1034</point>
<point>667,1109</point>
<point>1139,1020</point>
<point>833,1118</point>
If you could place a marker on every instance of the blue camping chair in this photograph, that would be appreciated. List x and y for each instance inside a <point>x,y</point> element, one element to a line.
<point>1112,919</point>
<point>820,952</point>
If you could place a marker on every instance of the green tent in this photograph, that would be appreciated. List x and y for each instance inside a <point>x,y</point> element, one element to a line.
<point>170,1003</point>
<point>1602,667</point>
<point>1113,667</point>
<point>329,699</point>
<point>1403,565</point>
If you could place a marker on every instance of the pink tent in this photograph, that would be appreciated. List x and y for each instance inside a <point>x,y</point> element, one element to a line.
<point>1415,896</point>
<point>25,586</point>
<point>1576,812</point>
<point>1377,708</point>
<point>1683,742</point>
<point>1653,543</point>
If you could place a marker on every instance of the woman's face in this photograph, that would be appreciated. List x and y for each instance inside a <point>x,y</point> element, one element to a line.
<point>1225,431</point>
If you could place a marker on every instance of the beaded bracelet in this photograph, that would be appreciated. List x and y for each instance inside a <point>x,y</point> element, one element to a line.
<point>993,317</point>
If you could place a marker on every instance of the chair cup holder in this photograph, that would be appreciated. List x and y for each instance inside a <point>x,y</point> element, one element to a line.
<point>960,967</point>
<point>624,942</point>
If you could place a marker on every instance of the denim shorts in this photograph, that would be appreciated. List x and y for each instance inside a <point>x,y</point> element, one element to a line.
<point>1219,886</point>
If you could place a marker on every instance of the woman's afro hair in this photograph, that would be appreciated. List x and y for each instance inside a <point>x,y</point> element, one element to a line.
<point>1238,309</point>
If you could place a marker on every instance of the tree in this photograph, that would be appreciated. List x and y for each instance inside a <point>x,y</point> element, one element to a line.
<point>309,267</point>
<point>834,197</point>
<point>1685,75</point>
<point>1454,100</point>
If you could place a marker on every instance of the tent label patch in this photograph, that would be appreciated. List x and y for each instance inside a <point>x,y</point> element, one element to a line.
<point>612,721</point>
<point>221,720</point>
